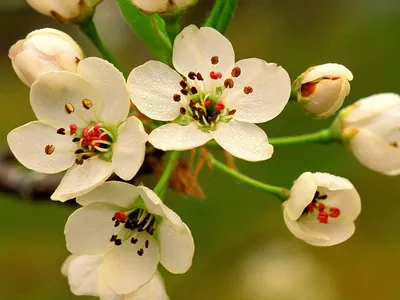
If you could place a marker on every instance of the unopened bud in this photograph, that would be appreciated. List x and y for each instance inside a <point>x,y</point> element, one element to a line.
<point>43,51</point>
<point>322,89</point>
<point>66,11</point>
<point>163,7</point>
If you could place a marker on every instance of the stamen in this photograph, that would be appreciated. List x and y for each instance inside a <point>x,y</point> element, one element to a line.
<point>134,241</point>
<point>323,217</point>
<point>72,129</point>
<point>184,92</point>
<point>79,151</point>
<point>334,212</point>
<point>193,90</point>
<point>87,104</point>
<point>236,72</point>
<point>76,139</point>
<point>228,83</point>
<point>113,238</point>
<point>146,244</point>
<point>247,90</point>
<point>177,98</point>
<point>219,106</point>
<point>183,110</point>
<point>199,77</point>
<point>140,252</point>
<point>79,161</point>
<point>86,156</point>
<point>215,75</point>
<point>308,88</point>
<point>49,149</point>
<point>61,131</point>
<point>120,216</point>
<point>215,60</point>
<point>394,144</point>
<point>69,108</point>
<point>183,84</point>
<point>232,112</point>
<point>118,242</point>
<point>207,103</point>
<point>192,75</point>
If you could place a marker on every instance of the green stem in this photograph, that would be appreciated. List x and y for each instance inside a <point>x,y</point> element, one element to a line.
<point>163,38</point>
<point>280,192</point>
<point>173,26</point>
<point>221,14</point>
<point>169,168</point>
<point>89,28</point>
<point>324,136</point>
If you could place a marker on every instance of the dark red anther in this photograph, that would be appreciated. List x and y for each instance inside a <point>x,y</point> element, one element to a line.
<point>311,207</point>
<point>120,216</point>
<point>215,75</point>
<point>72,129</point>
<point>321,207</point>
<point>220,106</point>
<point>334,212</point>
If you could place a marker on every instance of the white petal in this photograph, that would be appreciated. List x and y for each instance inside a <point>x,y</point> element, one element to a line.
<point>153,290</point>
<point>301,194</point>
<point>126,271</point>
<point>110,83</point>
<point>318,234</point>
<point>83,275</point>
<point>153,6</point>
<point>113,192</point>
<point>105,292</point>
<point>176,248</point>
<point>54,90</point>
<point>81,179</point>
<point>375,153</point>
<point>243,140</point>
<point>332,182</point>
<point>156,206</point>
<point>66,264</point>
<point>271,91</point>
<point>330,69</point>
<point>89,229</point>
<point>345,90</point>
<point>28,144</point>
<point>371,106</point>
<point>152,87</point>
<point>194,48</point>
<point>130,148</point>
<point>177,137</point>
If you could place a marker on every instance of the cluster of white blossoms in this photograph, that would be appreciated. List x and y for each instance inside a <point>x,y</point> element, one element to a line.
<point>85,127</point>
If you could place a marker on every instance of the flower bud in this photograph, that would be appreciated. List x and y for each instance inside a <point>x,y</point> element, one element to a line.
<point>321,89</point>
<point>42,51</point>
<point>163,7</point>
<point>65,11</point>
<point>371,128</point>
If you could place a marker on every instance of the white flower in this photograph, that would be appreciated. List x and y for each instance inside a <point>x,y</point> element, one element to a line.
<point>83,127</point>
<point>321,209</point>
<point>321,89</point>
<point>134,230</point>
<point>65,11</point>
<point>163,6</point>
<point>371,126</point>
<point>42,51</point>
<point>217,99</point>
<point>86,278</point>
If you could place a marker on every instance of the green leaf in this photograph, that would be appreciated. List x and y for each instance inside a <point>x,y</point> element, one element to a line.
<point>150,28</point>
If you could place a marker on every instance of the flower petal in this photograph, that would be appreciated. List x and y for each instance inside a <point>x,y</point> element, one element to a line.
<point>152,87</point>
<point>243,140</point>
<point>81,179</point>
<point>301,194</point>
<point>88,230</point>
<point>112,192</point>
<point>125,270</point>
<point>28,144</point>
<point>177,137</point>
<point>105,292</point>
<point>66,264</point>
<point>154,289</point>
<point>375,153</point>
<point>330,69</point>
<point>129,149</point>
<point>52,91</point>
<point>156,206</point>
<point>194,48</point>
<point>176,248</point>
<point>371,106</point>
<point>271,91</point>
<point>83,275</point>
<point>110,83</point>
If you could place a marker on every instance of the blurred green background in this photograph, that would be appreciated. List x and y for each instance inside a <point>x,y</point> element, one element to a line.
<point>243,249</point>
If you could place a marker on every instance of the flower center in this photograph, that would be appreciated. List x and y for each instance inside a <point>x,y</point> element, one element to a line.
<point>204,102</point>
<point>321,211</point>
<point>134,222</point>
<point>94,140</point>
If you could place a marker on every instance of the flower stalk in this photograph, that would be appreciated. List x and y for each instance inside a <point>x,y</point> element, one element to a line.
<point>89,29</point>
<point>221,15</point>
<point>169,168</point>
<point>324,136</point>
<point>280,192</point>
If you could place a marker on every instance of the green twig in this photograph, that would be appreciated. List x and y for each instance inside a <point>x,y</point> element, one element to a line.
<point>324,136</point>
<point>169,168</point>
<point>89,28</point>
<point>280,192</point>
